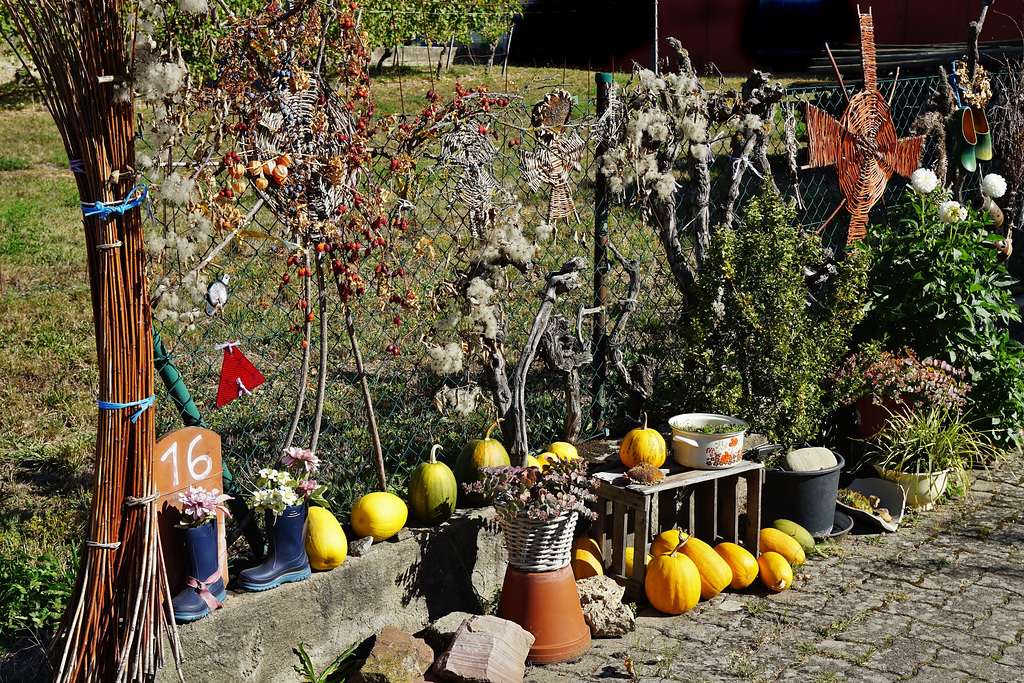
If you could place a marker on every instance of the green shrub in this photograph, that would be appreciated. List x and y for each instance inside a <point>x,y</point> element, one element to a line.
<point>938,289</point>
<point>33,593</point>
<point>764,338</point>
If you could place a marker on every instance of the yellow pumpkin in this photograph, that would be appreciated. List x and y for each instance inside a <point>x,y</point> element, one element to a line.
<point>485,452</point>
<point>545,460</point>
<point>740,561</point>
<point>628,560</point>
<point>586,558</point>
<point>380,515</point>
<point>775,571</point>
<point>667,541</point>
<point>672,584</point>
<point>715,573</point>
<point>564,450</point>
<point>534,462</point>
<point>773,540</point>
<point>642,445</point>
<point>326,544</point>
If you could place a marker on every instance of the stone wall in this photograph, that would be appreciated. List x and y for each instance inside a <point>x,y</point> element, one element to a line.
<point>407,583</point>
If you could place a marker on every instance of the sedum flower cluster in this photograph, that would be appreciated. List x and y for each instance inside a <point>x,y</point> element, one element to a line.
<point>542,494</point>
<point>902,376</point>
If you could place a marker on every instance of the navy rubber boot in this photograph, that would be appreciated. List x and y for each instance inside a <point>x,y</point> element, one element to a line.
<point>204,588</point>
<point>286,557</point>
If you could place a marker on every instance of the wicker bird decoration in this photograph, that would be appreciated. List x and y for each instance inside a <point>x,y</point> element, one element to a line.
<point>862,146</point>
<point>559,152</point>
<point>471,151</point>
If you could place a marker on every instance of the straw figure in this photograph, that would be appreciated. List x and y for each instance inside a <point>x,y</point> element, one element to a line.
<point>559,152</point>
<point>119,613</point>
<point>863,145</point>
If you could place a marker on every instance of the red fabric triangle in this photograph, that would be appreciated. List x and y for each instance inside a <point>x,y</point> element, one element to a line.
<point>237,376</point>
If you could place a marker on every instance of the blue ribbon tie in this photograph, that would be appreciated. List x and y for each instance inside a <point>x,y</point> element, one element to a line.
<point>135,198</point>
<point>142,406</point>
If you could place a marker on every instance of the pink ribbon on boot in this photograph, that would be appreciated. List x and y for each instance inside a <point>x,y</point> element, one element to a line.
<point>203,590</point>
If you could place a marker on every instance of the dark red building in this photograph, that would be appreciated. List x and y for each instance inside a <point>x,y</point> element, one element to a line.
<point>736,35</point>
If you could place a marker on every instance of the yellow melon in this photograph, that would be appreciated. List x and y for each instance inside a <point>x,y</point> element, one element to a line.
<point>380,515</point>
<point>326,544</point>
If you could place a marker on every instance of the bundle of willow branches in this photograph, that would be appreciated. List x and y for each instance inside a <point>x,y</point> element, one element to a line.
<point>114,625</point>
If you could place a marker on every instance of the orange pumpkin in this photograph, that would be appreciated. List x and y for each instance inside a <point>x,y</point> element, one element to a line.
<point>586,558</point>
<point>715,573</point>
<point>672,584</point>
<point>741,562</point>
<point>642,445</point>
<point>780,542</point>
<point>667,541</point>
<point>776,572</point>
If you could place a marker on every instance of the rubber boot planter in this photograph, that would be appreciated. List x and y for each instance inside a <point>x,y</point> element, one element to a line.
<point>286,555</point>
<point>204,586</point>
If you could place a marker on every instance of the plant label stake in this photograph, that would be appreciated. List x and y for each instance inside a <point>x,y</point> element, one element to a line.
<point>237,375</point>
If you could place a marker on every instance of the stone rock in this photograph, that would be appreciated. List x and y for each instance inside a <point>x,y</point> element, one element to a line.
<point>439,633</point>
<point>486,649</point>
<point>397,657</point>
<point>601,599</point>
<point>360,546</point>
<point>809,460</point>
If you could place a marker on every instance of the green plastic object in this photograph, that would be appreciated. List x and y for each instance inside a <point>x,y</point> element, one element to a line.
<point>602,77</point>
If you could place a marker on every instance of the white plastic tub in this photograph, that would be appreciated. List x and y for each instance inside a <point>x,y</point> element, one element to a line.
<point>706,451</point>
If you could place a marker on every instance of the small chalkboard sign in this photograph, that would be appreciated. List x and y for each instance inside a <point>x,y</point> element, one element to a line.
<point>183,458</point>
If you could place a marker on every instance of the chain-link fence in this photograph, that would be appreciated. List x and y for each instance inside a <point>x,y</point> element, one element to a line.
<point>415,407</point>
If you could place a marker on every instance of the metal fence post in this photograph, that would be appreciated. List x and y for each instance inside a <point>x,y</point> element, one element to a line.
<point>600,342</point>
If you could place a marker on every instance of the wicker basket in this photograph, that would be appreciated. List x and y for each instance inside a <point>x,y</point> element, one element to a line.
<point>535,546</point>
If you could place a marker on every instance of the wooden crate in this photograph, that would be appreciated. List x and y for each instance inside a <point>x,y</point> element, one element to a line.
<point>703,502</point>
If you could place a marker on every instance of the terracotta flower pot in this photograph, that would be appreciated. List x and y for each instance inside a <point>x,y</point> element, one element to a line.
<point>874,413</point>
<point>547,605</point>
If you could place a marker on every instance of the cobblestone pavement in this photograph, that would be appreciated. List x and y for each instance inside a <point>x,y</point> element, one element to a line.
<point>942,599</point>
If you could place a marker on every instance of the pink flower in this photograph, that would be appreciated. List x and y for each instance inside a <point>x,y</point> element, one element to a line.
<point>306,487</point>
<point>292,455</point>
<point>200,504</point>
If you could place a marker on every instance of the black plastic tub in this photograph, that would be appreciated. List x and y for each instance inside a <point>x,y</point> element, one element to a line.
<point>807,498</point>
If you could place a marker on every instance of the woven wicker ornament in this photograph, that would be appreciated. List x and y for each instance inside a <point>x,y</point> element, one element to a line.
<point>472,152</point>
<point>559,152</point>
<point>863,145</point>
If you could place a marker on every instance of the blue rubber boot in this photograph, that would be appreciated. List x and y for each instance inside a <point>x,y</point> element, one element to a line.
<point>204,588</point>
<point>286,557</point>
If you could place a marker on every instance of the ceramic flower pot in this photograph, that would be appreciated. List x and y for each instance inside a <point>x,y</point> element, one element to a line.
<point>923,490</point>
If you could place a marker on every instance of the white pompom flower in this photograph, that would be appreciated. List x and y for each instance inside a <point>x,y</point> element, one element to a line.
<point>924,181</point>
<point>952,212</point>
<point>994,186</point>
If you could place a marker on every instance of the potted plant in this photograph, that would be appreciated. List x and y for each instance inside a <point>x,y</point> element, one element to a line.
<point>707,441</point>
<point>881,383</point>
<point>283,495</point>
<point>538,508</point>
<point>924,450</point>
<point>800,485</point>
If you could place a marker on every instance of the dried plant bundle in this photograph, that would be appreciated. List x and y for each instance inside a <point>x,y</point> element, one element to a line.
<point>116,619</point>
